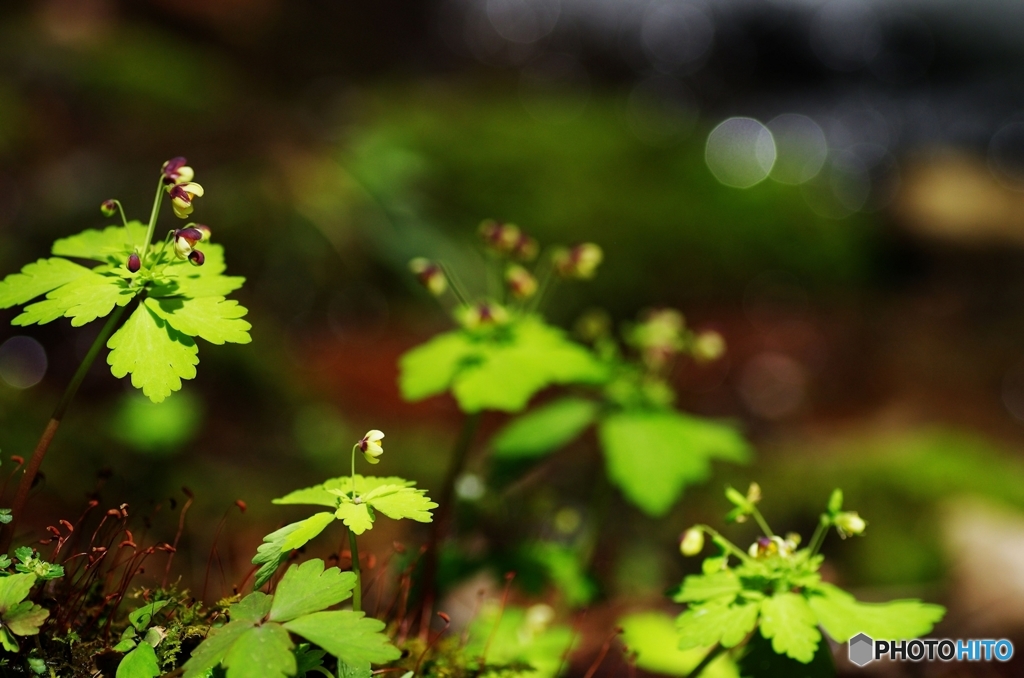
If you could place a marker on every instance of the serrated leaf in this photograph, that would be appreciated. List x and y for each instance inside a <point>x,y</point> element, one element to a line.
<point>108,245</point>
<point>278,544</point>
<point>253,608</point>
<point>347,635</point>
<point>157,356</point>
<point>324,494</point>
<point>545,429</point>
<point>843,616</point>
<point>356,517</point>
<point>37,279</point>
<point>211,651</point>
<point>309,588</point>
<point>139,663</point>
<point>264,651</point>
<point>430,368</point>
<point>653,456</point>
<point>87,297</point>
<point>215,319</point>
<point>701,587</point>
<point>723,620</point>
<point>25,618</point>
<point>790,623</point>
<point>759,660</point>
<point>399,502</point>
<point>307,659</point>
<point>652,637</point>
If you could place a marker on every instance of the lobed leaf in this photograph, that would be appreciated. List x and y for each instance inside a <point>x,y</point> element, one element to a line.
<point>87,297</point>
<point>347,635</point>
<point>309,588</point>
<point>14,589</point>
<point>215,319</point>
<point>109,245</point>
<point>545,429</point>
<point>723,620</point>
<point>843,616</point>
<point>253,608</point>
<point>329,492</point>
<point>430,368</point>
<point>37,279</point>
<point>157,356</point>
<point>139,663</point>
<point>278,544</point>
<point>357,517</point>
<point>790,623</point>
<point>652,636</point>
<point>398,502</point>
<point>264,651</point>
<point>212,650</point>
<point>700,587</point>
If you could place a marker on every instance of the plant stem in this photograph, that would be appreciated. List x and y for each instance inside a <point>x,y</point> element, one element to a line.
<point>725,543</point>
<point>152,217</point>
<point>357,592</point>
<point>704,663</point>
<point>25,485</point>
<point>354,448</point>
<point>761,522</point>
<point>819,534</point>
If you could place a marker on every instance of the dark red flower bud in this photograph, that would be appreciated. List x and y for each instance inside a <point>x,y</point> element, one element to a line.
<point>134,262</point>
<point>108,207</point>
<point>196,258</point>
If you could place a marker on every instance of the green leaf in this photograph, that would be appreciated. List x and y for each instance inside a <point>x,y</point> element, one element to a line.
<point>398,502</point>
<point>8,641</point>
<point>653,637</point>
<point>843,616</point>
<point>157,356</point>
<point>139,663</point>
<point>109,245</point>
<point>212,650</point>
<point>264,651</point>
<point>253,608</point>
<point>835,502</point>
<point>25,618</point>
<point>324,494</point>
<point>546,428</point>
<point>430,368</point>
<point>790,623</point>
<point>14,589</point>
<point>277,545</point>
<point>39,278</point>
<point>309,588</point>
<point>759,660</point>
<point>564,569</point>
<point>307,659</point>
<point>521,635</point>
<point>701,587</point>
<point>347,635</point>
<point>183,279</point>
<point>356,517</point>
<point>653,456</point>
<point>723,620</point>
<point>87,297</point>
<point>215,319</point>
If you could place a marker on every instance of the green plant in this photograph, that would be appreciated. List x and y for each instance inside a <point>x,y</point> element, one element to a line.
<point>179,290</point>
<point>776,588</point>
<point>652,451</point>
<point>18,616</point>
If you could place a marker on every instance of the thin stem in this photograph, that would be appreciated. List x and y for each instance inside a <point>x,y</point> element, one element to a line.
<point>354,448</point>
<point>357,592</point>
<point>124,220</point>
<point>704,663</point>
<point>725,543</point>
<point>152,217</point>
<point>761,522</point>
<point>25,485</point>
<point>323,671</point>
<point>820,532</point>
<point>455,283</point>
<point>546,280</point>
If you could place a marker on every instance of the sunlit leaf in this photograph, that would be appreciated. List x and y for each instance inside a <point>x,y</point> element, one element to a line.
<point>545,428</point>
<point>790,623</point>
<point>215,319</point>
<point>309,588</point>
<point>278,544</point>
<point>843,616</point>
<point>654,639</point>
<point>109,245</point>
<point>356,517</point>
<point>36,279</point>
<point>87,297</point>
<point>347,635</point>
<point>429,368</point>
<point>264,651</point>
<point>157,356</point>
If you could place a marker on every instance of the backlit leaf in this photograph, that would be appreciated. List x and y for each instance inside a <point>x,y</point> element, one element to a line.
<point>790,623</point>
<point>87,297</point>
<point>843,616</point>
<point>347,635</point>
<point>264,651</point>
<point>278,544</point>
<point>309,588</point>
<point>109,245</point>
<point>215,319</point>
<point>36,279</point>
<point>157,356</point>
<point>545,428</point>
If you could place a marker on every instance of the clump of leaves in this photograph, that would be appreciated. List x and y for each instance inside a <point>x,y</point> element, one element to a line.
<point>776,589</point>
<point>179,287</point>
<point>257,641</point>
<point>18,616</point>
<point>652,451</point>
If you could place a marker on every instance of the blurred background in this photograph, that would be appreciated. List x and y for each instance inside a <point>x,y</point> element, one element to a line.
<point>835,186</point>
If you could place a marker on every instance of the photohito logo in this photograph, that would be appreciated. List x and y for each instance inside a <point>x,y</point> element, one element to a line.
<point>864,649</point>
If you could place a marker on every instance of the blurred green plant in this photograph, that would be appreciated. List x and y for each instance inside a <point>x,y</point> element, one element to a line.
<point>156,428</point>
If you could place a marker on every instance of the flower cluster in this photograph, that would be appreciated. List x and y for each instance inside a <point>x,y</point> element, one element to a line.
<point>186,239</point>
<point>661,335</point>
<point>177,178</point>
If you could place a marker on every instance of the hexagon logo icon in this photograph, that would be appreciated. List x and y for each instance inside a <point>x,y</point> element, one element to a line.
<point>862,649</point>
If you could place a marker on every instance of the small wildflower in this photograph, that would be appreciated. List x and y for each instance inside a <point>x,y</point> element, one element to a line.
<point>766,547</point>
<point>659,337</point>
<point>185,240</point>
<point>371,446</point>
<point>429,275</point>
<point>175,171</point>
<point>521,282</point>
<point>848,523</point>
<point>499,237</point>
<point>708,346</point>
<point>526,248</point>
<point>108,208</point>
<point>196,258</point>
<point>579,262</point>
<point>481,314</point>
<point>134,263</point>
<point>182,196</point>
<point>692,542</point>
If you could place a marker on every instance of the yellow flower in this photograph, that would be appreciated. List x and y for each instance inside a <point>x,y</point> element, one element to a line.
<point>521,282</point>
<point>175,171</point>
<point>182,196</point>
<point>580,261</point>
<point>692,542</point>
<point>430,275</point>
<point>371,446</point>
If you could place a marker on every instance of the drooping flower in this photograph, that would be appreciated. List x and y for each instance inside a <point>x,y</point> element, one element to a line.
<point>849,523</point>
<point>580,261</point>
<point>526,248</point>
<point>185,240</point>
<point>484,313</point>
<point>430,275</point>
<point>659,337</point>
<point>692,542</point>
<point>196,258</point>
<point>499,237</point>
<point>175,171</point>
<point>205,230</point>
<point>108,207</point>
<point>182,196</point>
<point>521,282</point>
<point>371,446</point>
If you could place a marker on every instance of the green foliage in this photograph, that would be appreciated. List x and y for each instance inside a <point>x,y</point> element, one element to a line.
<point>18,617</point>
<point>545,428</point>
<point>777,589</point>
<point>518,634</point>
<point>497,369</point>
<point>177,302</point>
<point>139,663</point>
<point>256,642</point>
<point>156,428</point>
<point>653,637</point>
<point>30,563</point>
<point>653,456</point>
<point>759,660</point>
<point>394,497</point>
